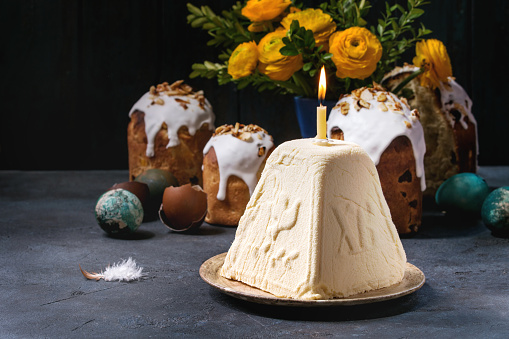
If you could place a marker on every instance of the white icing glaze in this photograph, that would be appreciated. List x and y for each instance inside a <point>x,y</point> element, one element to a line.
<point>453,96</point>
<point>239,158</point>
<point>174,115</point>
<point>374,129</point>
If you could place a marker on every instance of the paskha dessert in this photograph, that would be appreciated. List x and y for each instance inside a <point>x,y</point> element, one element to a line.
<point>391,133</point>
<point>317,226</point>
<point>233,162</point>
<point>169,127</point>
<point>450,129</point>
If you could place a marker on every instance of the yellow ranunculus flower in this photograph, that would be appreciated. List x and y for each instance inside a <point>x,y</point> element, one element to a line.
<point>432,55</point>
<point>263,10</point>
<point>272,63</point>
<point>355,52</point>
<point>243,60</point>
<point>315,20</point>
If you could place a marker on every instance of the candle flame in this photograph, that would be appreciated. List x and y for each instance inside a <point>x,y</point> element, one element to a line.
<point>322,85</point>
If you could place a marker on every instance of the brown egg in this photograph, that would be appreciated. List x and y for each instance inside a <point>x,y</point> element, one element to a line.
<point>139,189</point>
<point>183,208</point>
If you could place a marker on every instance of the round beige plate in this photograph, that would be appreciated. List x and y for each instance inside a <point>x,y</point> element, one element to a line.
<point>209,271</point>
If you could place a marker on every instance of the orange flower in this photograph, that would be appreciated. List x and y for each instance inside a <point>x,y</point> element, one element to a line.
<point>243,60</point>
<point>272,63</point>
<point>355,52</point>
<point>263,10</point>
<point>432,55</point>
<point>315,20</point>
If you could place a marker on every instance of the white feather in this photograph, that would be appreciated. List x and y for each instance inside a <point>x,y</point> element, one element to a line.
<point>123,271</point>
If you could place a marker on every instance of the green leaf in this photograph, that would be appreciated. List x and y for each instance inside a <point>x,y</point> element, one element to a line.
<point>327,56</point>
<point>208,26</point>
<point>194,10</point>
<point>198,67</point>
<point>243,83</point>
<point>289,51</point>
<point>207,11</point>
<point>199,22</point>
<point>307,66</point>
<point>415,13</point>
<point>209,65</point>
<point>194,74</point>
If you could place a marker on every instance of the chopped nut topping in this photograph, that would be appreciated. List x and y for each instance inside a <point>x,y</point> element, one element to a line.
<point>240,131</point>
<point>408,125</point>
<point>366,95</point>
<point>405,102</point>
<point>356,105</point>
<point>378,87</point>
<point>357,92</point>
<point>345,107</point>
<point>159,101</point>
<point>414,115</point>
<point>364,104</point>
<point>177,88</point>
<point>382,107</point>
<point>245,136</point>
<point>261,151</point>
<point>182,103</point>
<point>381,97</point>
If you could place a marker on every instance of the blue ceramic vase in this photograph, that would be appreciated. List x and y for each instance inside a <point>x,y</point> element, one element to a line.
<point>305,108</point>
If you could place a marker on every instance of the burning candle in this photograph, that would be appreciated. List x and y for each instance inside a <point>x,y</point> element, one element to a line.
<point>321,111</point>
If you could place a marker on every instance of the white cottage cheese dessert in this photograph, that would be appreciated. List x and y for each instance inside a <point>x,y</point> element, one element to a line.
<point>317,226</point>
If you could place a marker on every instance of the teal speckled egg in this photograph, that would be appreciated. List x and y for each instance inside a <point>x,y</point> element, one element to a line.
<point>495,211</point>
<point>119,212</point>
<point>464,192</point>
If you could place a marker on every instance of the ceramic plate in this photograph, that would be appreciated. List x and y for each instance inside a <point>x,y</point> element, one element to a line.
<point>209,271</point>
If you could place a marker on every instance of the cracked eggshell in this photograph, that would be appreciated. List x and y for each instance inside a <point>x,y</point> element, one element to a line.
<point>183,208</point>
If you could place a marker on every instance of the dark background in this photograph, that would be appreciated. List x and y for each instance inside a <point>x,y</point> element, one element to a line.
<point>72,69</point>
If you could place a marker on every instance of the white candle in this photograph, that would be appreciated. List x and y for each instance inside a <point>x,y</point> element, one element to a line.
<point>321,111</point>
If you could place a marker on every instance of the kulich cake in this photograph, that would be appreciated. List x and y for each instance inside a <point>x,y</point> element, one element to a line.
<point>317,226</point>
<point>450,129</point>
<point>233,162</point>
<point>169,127</point>
<point>390,132</point>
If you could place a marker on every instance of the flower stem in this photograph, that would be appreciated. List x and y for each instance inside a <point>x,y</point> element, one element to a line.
<point>407,80</point>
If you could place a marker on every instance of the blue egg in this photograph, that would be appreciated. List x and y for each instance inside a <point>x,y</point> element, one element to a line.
<point>495,211</point>
<point>119,212</point>
<point>464,192</point>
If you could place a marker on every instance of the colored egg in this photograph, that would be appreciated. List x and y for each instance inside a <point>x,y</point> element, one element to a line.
<point>184,208</point>
<point>495,211</point>
<point>157,181</point>
<point>464,192</point>
<point>119,212</point>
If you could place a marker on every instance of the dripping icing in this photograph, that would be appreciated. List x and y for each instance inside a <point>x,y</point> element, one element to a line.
<point>239,158</point>
<point>374,129</point>
<point>174,115</point>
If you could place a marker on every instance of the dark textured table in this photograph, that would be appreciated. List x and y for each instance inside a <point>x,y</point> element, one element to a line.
<point>47,228</point>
